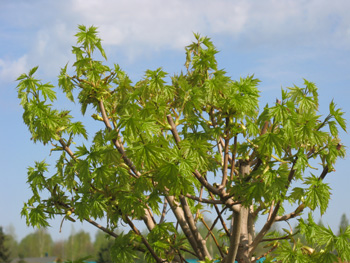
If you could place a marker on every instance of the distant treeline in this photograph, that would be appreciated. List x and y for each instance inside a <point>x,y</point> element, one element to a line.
<point>41,244</point>
<point>78,245</point>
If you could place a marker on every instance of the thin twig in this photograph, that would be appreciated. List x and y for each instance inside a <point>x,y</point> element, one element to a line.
<point>203,200</point>
<point>144,240</point>
<point>212,235</point>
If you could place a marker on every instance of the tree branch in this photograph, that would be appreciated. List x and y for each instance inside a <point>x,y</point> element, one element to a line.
<point>220,217</point>
<point>214,223</point>
<point>144,240</point>
<point>163,211</point>
<point>212,235</point>
<point>296,212</point>
<point>220,192</point>
<point>233,159</point>
<point>279,238</point>
<point>179,214</point>
<point>264,230</point>
<point>271,210</point>
<point>192,225</point>
<point>324,173</point>
<point>266,253</point>
<point>272,219</point>
<point>117,144</point>
<point>226,154</point>
<point>106,230</point>
<point>67,149</point>
<point>202,200</point>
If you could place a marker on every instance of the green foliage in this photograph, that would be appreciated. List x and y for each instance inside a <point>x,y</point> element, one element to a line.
<point>4,251</point>
<point>36,244</point>
<point>123,249</point>
<point>325,241</point>
<point>78,246</point>
<point>197,142</point>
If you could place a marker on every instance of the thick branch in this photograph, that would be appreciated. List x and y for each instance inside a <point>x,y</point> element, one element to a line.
<point>271,210</point>
<point>179,214</point>
<point>192,225</point>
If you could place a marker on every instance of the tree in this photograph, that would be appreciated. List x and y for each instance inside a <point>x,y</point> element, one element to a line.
<point>78,246</point>
<point>10,241</point>
<point>36,244</point>
<point>103,255</point>
<point>344,223</point>
<point>4,251</point>
<point>195,144</point>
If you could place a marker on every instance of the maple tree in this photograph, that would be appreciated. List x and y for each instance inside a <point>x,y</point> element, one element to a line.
<point>195,144</point>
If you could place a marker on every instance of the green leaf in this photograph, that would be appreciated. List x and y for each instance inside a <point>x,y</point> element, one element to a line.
<point>302,161</point>
<point>77,128</point>
<point>337,115</point>
<point>32,71</point>
<point>66,84</point>
<point>318,194</point>
<point>297,194</point>
<point>123,249</point>
<point>270,142</point>
<point>99,46</point>
<point>37,217</point>
<point>47,91</point>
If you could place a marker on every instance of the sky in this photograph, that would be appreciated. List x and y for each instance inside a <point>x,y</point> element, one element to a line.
<point>280,42</point>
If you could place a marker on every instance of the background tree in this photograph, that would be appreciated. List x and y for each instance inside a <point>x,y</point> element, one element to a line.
<point>11,241</point>
<point>103,254</point>
<point>344,223</point>
<point>196,143</point>
<point>36,244</point>
<point>4,250</point>
<point>79,246</point>
<point>58,249</point>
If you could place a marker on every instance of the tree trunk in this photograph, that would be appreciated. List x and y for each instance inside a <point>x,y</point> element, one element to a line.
<point>243,248</point>
<point>246,225</point>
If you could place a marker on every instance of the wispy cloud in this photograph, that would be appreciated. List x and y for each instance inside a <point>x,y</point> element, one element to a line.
<point>170,24</point>
<point>137,27</point>
<point>11,69</point>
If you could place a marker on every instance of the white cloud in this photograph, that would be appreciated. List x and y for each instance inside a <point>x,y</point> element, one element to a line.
<point>11,69</point>
<point>140,26</point>
<point>158,23</point>
<point>169,24</point>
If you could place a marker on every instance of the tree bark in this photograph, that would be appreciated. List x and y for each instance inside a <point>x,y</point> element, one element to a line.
<point>246,224</point>
<point>243,248</point>
<point>179,214</point>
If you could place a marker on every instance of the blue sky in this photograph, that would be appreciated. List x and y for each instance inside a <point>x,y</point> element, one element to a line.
<point>281,42</point>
